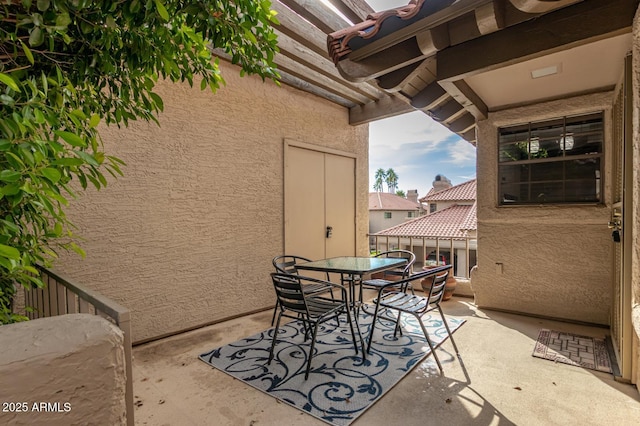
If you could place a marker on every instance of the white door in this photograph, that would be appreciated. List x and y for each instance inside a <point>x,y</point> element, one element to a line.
<point>319,199</point>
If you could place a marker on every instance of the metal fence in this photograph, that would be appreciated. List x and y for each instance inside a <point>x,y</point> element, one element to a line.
<point>460,251</point>
<point>61,296</point>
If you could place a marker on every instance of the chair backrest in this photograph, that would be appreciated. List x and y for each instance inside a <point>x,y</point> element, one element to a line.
<point>289,292</point>
<point>436,290</point>
<point>402,271</point>
<point>438,277</point>
<point>286,264</point>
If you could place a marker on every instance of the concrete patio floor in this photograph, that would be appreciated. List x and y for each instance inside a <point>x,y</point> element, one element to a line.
<point>506,384</point>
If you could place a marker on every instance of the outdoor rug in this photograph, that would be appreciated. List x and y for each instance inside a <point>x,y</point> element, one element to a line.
<point>340,386</point>
<point>572,349</point>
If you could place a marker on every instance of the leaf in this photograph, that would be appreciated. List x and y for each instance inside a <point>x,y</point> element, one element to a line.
<point>43,5</point>
<point>10,176</point>
<point>27,52</point>
<point>87,158</point>
<point>158,100</point>
<point>6,79</point>
<point>36,37</point>
<point>52,174</point>
<point>71,138</point>
<point>9,252</point>
<point>63,20</point>
<point>94,121</point>
<point>69,162</point>
<point>162,11</point>
<point>78,250</point>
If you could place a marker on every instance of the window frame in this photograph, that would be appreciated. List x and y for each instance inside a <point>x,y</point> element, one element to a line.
<point>387,215</point>
<point>563,161</point>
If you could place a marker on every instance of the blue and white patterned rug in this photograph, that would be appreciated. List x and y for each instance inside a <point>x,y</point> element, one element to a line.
<point>340,386</point>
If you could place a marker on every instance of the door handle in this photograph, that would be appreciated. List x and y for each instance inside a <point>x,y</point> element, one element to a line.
<point>329,231</point>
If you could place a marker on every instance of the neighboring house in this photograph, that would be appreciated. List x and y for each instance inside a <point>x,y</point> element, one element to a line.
<point>547,91</point>
<point>387,210</point>
<point>439,198</point>
<point>449,228</point>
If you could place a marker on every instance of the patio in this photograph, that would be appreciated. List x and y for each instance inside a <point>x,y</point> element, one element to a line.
<point>507,385</point>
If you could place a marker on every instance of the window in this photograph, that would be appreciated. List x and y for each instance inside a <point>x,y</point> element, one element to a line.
<point>433,207</point>
<point>387,215</point>
<point>556,161</point>
<point>409,214</point>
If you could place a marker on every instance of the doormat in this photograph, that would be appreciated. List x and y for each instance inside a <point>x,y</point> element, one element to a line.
<point>572,349</point>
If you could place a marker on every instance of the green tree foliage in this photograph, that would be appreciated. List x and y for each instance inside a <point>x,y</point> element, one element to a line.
<point>392,180</point>
<point>380,177</point>
<point>66,66</point>
<point>401,193</point>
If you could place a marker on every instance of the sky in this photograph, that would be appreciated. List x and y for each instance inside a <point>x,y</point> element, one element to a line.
<point>417,149</point>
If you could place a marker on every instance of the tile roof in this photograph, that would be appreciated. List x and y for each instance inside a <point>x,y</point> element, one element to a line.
<point>388,201</point>
<point>343,42</point>
<point>470,223</point>
<point>452,222</point>
<point>463,192</point>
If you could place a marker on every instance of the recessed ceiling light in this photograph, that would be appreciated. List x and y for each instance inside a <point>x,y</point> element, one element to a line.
<point>543,72</point>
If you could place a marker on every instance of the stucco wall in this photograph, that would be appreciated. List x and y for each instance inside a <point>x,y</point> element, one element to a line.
<point>546,260</point>
<point>186,238</point>
<point>64,370</point>
<point>377,221</point>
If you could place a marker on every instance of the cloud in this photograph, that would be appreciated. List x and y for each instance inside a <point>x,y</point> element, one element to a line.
<point>418,149</point>
<point>462,153</point>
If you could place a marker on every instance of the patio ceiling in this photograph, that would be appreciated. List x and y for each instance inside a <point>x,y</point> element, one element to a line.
<point>454,60</point>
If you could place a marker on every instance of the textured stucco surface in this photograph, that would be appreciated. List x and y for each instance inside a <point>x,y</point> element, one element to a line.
<point>545,260</point>
<point>186,237</point>
<point>73,364</point>
<point>635,255</point>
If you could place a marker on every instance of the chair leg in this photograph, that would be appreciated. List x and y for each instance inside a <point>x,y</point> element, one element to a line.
<point>311,348</point>
<point>353,334</point>
<point>397,327</point>
<point>444,320</point>
<point>273,340</point>
<point>275,309</point>
<point>373,324</point>
<point>433,349</point>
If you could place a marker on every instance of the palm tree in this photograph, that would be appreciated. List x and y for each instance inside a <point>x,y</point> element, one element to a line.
<point>381,175</point>
<point>392,180</point>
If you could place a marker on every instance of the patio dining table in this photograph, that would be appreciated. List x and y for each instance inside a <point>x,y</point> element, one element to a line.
<point>352,269</point>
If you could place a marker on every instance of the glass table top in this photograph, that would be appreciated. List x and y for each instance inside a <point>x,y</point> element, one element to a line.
<point>352,264</point>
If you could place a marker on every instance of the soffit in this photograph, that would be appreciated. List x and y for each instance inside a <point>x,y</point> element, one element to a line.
<point>457,60</point>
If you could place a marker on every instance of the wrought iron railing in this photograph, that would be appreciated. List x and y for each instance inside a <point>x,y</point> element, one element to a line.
<point>61,296</point>
<point>459,251</point>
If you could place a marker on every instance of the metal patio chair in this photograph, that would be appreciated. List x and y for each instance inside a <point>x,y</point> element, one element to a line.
<point>404,302</point>
<point>312,310</point>
<point>286,264</point>
<point>391,275</point>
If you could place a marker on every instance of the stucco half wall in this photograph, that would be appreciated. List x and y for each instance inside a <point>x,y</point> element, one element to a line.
<point>186,237</point>
<point>553,261</point>
<point>64,370</point>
